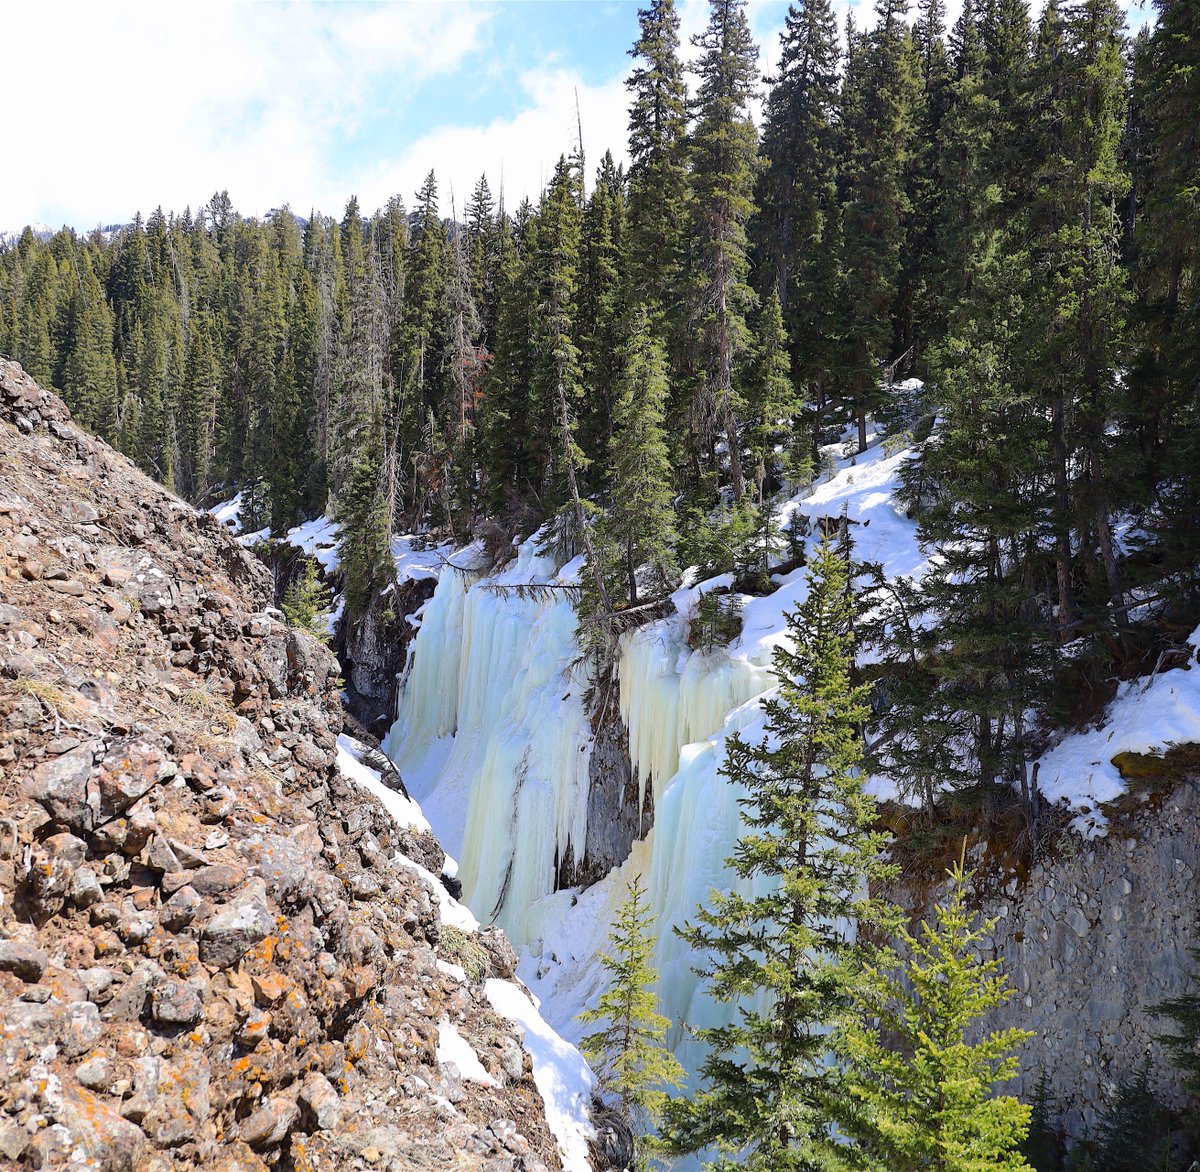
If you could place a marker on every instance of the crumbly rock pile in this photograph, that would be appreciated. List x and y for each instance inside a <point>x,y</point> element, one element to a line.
<point>211,952</point>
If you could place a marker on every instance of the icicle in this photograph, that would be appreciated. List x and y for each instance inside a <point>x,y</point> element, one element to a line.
<point>498,670</point>
<point>672,696</point>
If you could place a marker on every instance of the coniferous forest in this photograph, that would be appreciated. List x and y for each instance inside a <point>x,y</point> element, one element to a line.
<point>981,240</point>
<point>1006,210</point>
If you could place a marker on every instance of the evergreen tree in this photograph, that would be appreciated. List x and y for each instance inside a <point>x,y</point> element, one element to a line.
<point>918,1087</point>
<point>629,1053</point>
<point>778,949</point>
<point>1042,1146</point>
<point>1184,1043</point>
<point>769,406</point>
<point>879,96</point>
<point>1081,293</point>
<point>640,522</point>
<point>306,602</point>
<point>796,230</point>
<point>198,410</point>
<point>658,183</point>
<point>1166,374</point>
<point>601,307</point>
<point>510,430</point>
<point>420,412</point>
<point>1132,1136</point>
<point>364,512</point>
<point>723,162</point>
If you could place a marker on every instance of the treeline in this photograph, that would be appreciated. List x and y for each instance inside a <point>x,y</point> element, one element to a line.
<point>1007,210</point>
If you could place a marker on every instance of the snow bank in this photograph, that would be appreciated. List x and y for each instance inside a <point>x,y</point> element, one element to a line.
<point>319,539</point>
<point>407,814</point>
<point>1146,716</point>
<point>562,1076</point>
<point>404,811</point>
<point>454,1049</point>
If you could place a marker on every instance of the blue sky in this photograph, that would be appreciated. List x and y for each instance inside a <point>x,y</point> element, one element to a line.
<point>122,107</point>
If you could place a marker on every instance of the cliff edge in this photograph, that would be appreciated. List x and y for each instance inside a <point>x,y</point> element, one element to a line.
<point>216,949</point>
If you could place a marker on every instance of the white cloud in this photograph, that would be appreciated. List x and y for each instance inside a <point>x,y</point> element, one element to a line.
<point>119,107</point>
<point>520,152</point>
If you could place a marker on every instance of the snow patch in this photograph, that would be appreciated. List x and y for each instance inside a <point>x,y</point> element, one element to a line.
<point>562,1077</point>
<point>1146,716</point>
<point>453,1049</point>
<point>404,811</point>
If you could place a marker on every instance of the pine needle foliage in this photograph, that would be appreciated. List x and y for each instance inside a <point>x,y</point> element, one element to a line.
<point>1184,1044</point>
<point>782,954</point>
<point>629,1054</point>
<point>918,1091</point>
<point>306,603</point>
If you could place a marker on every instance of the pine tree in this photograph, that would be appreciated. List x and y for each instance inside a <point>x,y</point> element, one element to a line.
<point>918,1085</point>
<point>364,514</point>
<point>723,147</point>
<point>769,404</point>
<point>1132,1133</point>
<point>1184,1043</point>
<point>777,947</point>
<point>1081,294</point>
<point>418,364</point>
<point>796,229</point>
<point>629,1053</point>
<point>640,522</point>
<point>198,409</point>
<point>510,439</point>
<point>963,686</point>
<point>601,308</point>
<point>306,602</point>
<point>1042,1146</point>
<point>1164,377</point>
<point>879,98</point>
<point>658,183</point>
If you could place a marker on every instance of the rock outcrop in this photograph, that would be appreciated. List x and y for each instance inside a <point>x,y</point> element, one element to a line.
<point>212,951</point>
<point>1091,939</point>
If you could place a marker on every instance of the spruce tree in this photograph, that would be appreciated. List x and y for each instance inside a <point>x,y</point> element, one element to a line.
<point>723,149</point>
<point>601,308</point>
<point>510,431</point>
<point>879,97</point>
<point>629,1053</point>
<point>306,602</point>
<point>640,522</point>
<point>1184,1043</point>
<point>1132,1133</point>
<point>777,948</point>
<point>658,183</point>
<point>796,228</point>
<point>769,405</point>
<point>1166,237</point>
<point>1081,295</point>
<point>917,1095</point>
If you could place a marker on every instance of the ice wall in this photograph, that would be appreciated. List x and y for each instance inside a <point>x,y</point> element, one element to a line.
<point>672,697</point>
<point>491,734</point>
<point>493,740</point>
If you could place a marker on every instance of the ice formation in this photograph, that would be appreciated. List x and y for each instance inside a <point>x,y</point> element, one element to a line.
<point>492,738</point>
<point>498,669</point>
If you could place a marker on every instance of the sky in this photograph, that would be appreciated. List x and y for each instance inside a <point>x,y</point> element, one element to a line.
<point>114,108</point>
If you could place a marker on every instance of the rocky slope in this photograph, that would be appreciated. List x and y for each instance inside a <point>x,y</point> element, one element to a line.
<point>213,949</point>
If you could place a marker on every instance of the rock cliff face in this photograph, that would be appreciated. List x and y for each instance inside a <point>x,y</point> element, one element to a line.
<point>213,949</point>
<point>1096,934</point>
